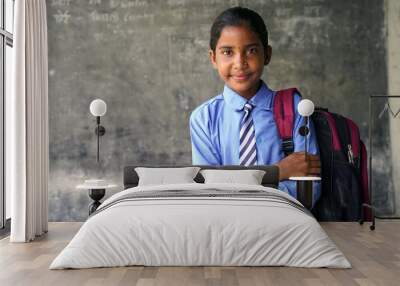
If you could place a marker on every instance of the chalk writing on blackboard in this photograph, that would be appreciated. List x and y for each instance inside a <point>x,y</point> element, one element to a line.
<point>313,11</point>
<point>104,17</point>
<point>132,17</point>
<point>94,2</point>
<point>128,3</point>
<point>62,17</point>
<point>60,2</point>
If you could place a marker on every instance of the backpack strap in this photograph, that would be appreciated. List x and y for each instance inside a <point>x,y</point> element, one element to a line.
<point>355,142</point>
<point>343,132</point>
<point>284,117</point>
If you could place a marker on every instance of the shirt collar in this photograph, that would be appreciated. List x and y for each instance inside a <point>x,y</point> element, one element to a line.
<point>262,99</point>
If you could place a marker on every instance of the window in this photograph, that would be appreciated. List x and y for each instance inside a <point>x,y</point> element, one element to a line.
<point>6,65</point>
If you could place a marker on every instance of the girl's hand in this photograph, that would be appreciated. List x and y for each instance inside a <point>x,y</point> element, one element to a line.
<point>295,165</point>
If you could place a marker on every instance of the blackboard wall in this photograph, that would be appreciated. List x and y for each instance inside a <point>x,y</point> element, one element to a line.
<point>148,61</point>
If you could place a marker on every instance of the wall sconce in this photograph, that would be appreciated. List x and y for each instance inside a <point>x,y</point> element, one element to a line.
<point>98,108</point>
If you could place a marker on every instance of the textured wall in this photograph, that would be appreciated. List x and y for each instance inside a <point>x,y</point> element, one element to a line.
<point>148,61</point>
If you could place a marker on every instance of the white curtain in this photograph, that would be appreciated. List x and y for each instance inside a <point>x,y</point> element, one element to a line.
<point>27,124</point>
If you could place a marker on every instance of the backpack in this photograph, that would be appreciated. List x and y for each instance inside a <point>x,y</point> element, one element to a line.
<point>343,156</point>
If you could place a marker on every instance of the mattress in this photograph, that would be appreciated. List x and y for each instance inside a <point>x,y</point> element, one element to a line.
<point>201,225</point>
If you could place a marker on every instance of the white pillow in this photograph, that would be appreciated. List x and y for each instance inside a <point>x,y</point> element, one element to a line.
<point>163,176</point>
<point>249,177</point>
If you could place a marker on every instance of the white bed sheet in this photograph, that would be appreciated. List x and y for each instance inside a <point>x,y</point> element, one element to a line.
<point>200,231</point>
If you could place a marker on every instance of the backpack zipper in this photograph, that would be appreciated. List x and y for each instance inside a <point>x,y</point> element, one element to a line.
<point>350,154</point>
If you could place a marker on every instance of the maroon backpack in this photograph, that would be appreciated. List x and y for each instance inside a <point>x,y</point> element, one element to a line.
<point>344,173</point>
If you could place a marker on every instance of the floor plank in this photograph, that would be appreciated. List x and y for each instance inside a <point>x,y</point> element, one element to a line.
<point>374,255</point>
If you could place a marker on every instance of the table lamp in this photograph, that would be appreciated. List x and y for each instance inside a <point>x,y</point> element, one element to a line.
<point>305,109</point>
<point>98,108</point>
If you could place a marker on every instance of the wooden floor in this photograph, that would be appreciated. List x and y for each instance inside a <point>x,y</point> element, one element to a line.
<point>375,256</point>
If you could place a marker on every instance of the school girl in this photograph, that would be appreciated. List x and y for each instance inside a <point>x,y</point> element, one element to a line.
<point>237,127</point>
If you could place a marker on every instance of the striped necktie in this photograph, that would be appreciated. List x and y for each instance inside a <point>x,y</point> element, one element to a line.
<point>247,149</point>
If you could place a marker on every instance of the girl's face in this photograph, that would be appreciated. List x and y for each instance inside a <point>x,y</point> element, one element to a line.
<point>239,58</point>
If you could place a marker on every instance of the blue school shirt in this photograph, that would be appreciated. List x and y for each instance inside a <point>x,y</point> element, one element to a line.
<point>215,127</point>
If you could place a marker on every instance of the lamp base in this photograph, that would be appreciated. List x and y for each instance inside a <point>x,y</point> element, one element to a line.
<point>96,195</point>
<point>305,193</point>
<point>304,187</point>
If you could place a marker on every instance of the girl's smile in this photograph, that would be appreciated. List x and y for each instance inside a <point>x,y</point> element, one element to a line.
<point>239,58</point>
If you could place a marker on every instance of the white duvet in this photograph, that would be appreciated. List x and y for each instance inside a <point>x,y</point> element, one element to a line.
<point>183,231</point>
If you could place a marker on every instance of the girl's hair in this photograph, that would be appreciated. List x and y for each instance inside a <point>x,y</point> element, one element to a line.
<point>238,16</point>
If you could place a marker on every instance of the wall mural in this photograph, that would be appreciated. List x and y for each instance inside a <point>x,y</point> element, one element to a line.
<point>148,60</point>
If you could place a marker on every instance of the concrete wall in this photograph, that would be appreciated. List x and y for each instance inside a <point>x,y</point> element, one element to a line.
<point>148,61</point>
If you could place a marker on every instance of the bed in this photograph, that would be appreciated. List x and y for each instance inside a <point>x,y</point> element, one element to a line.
<point>201,224</point>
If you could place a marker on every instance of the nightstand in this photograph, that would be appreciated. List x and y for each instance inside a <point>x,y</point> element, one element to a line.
<point>97,190</point>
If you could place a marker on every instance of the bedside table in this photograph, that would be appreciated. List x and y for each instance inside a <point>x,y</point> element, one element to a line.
<point>97,190</point>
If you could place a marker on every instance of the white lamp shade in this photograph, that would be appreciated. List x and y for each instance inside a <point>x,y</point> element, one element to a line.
<point>305,107</point>
<point>98,107</point>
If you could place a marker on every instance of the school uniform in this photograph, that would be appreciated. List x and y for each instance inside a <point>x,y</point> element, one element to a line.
<point>215,127</point>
